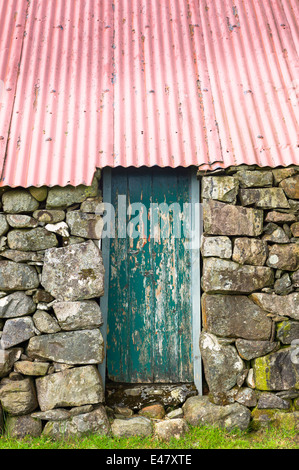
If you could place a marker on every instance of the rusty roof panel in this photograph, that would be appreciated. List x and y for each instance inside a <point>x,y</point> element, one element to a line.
<point>92,83</point>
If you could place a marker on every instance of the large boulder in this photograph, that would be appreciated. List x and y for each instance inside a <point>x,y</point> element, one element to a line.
<point>199,411</point>
<point>17,276</point>
<point>74,272</point>
<point>221,276</point>
<point>72,347</point>
<point>235,316</point>
<point>222,364</point>
<point>72,387</point>
<point>226,219</point>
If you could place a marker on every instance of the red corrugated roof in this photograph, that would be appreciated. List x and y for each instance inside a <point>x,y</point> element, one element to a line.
<point>92,83</point>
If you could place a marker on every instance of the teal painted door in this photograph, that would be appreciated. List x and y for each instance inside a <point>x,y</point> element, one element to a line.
<point>149,330</point>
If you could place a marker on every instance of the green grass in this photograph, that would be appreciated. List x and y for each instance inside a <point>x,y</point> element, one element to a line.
<point>196,438</point>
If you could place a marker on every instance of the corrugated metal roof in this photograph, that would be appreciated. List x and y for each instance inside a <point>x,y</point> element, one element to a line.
<point>92,83</point>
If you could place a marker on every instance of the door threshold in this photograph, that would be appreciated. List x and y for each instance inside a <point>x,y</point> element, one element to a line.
<point>136,396</point>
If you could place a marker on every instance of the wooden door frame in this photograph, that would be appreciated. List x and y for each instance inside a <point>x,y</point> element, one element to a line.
<point>195,280</point>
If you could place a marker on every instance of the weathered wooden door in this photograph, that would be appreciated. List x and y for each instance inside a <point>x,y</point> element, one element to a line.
<point>149,326</point>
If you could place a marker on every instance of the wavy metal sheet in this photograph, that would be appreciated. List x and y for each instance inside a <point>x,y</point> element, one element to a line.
<point>174,83</point>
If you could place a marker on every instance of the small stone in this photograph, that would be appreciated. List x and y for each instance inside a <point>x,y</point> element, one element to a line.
<point>270,400</point>
<point>280,217</point>
<point>93,205</point>
<point>250,349</point>
<point>49,216</point>
<point>18,427</point>
<point>7,359</point>
<point>16,304</point>
<point>250,251</point>
<point>282,284</point>
<point>285,257</point>
<point>247,397</point>
<point>31,240</point>
<point>295,229</point>
<point>283,173</point>
<point>85,225</point>
<point>45,323</point>
<point>220,247</point>
<point>275,234</point>
<point>277,304</point>
<point>42,296</point>
<point>139,426</point>
<point>18,397</point>
<point>177,413</point>
<point>124,411</point>
<point>19,200</point>
<point>221,188</point>
<point>222,364</point>
<point>153,411</point>
<point>40,194</point>
<point>60,228</point>
<point>59,414</point>
<point>3,225</point>
<point>31,368</point>
<point>251,179</point>
<point>174,428</point>
<point>295,278</point>
<point>266,198</point>
<point>17,276</point>
<point>78,410</point>
<point>16,331</point>
<point>291,186</point>
<point>21,221</point>
<point>78,315</point>
<point>22,256</point>
<point>287,331</point>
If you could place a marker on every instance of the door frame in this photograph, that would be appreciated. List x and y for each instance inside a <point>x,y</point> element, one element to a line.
<point>195,277</point>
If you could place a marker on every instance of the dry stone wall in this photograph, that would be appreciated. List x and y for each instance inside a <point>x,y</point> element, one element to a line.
<point>250,283</point>
<point>51,280</point>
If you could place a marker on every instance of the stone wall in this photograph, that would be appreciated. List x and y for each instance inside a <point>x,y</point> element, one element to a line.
<point>250,283</point>
<point>51,279</point>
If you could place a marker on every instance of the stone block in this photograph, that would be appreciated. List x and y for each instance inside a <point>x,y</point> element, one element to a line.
<point>226,219</point>
<point>291,186</point>
<point>224,276</point>
<point>78,315</point>
<point>220,247</point>
<point>265,198</point>
<point>235,316</point>
<point>250,251</point>
<point>73,387</point>
<point>17,276</point>
<point>254,178</point>
<point>31,240</point>
<point>85,225</point>
<point>285,257</point>
<point>62,197</point>
<point>19,200</point>
<point>222,188</point>
<point>74,272</point>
